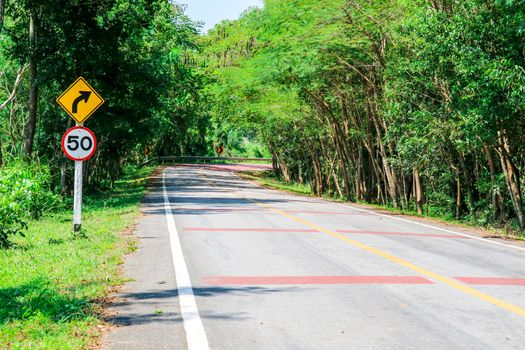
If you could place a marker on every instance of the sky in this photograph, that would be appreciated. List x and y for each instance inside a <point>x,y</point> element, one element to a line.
<point>214,11</point>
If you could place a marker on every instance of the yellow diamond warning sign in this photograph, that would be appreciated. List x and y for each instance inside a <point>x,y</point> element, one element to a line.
<point>80,100</point>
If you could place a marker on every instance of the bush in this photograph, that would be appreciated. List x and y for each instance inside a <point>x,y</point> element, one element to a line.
<point>24,194</point>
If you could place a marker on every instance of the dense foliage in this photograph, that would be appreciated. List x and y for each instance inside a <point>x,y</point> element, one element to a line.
<point>25,194</point>
<point>414,104</point>
<point>132,52</point>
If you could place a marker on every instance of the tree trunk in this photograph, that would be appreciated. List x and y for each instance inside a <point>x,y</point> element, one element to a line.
<point>64,188</point>
<point>33,91</point>
<point>319,185</point>
<point>512,177</point>
<point>368,187</point>
<point>418,195</point>
<point>344,170</point>
<point>390,178</point>
<point>339,144</point>
<point>497,200</point>
<point>325,111</point>
<point>360,184</point>
<point>285,171</point>
<point>336,183</point>
<point>275,164</point>
<point>468,182</point>
<point>458,197</point>
<point>405,188</point>
<point>2,11</point>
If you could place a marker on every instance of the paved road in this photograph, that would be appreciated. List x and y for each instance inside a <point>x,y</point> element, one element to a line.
<point>259,269</point>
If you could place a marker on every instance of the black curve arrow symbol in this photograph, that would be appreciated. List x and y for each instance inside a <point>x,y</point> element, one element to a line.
<point>84,95</point>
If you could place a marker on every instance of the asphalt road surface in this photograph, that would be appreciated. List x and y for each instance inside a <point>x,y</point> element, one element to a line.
<point>225,264</point>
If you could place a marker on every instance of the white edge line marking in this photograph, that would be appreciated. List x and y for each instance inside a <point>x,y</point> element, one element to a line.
<point>435,227</point>
<point>400,219</point>
<point>195,334</point>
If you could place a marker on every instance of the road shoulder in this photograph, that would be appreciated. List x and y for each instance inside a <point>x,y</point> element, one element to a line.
<point>145,313</point>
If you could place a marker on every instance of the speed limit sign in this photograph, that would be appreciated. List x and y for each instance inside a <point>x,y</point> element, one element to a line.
<point>79,143</point>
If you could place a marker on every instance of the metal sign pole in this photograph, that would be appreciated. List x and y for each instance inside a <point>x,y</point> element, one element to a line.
<point>77,206</point>
<point>77,201</point>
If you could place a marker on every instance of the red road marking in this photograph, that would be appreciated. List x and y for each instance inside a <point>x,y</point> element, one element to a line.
<point>494,281</point>
<point>325,212</point>
<point>401,234</point>
<point>288,211</point>
<point>222,209</point>
<point>241,229</point>
<point>300,230</point>
<point>262,280</point>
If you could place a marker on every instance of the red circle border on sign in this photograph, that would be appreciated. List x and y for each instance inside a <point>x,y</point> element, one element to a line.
<point>94,146</point>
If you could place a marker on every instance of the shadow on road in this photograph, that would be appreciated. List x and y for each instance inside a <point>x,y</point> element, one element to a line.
<point>148,300</point>
<point>192,196</point>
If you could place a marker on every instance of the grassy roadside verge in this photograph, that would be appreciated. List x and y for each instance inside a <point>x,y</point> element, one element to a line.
<point>53,286</point>
<point>268,180</point>
<point>264,179</point>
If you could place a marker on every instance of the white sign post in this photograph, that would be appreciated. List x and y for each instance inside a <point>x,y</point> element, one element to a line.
<point>77,204</point>
<point>79,144</point>
<point>80,101</point>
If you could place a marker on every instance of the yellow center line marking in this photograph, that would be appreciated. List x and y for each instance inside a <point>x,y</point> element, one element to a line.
<point>433,275</point>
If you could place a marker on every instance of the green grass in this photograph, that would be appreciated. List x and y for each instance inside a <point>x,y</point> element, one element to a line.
<point>53,286</point>
<point>268,179</point>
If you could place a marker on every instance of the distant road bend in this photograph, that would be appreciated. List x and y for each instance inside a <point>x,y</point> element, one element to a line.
<point>225,264</point>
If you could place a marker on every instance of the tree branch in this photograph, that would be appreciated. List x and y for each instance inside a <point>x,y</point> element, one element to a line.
<point>18,80</point>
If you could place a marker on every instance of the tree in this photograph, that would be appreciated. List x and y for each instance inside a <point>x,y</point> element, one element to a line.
<point>402,103</point>
<point>33,88</point>
<point>135,55</point>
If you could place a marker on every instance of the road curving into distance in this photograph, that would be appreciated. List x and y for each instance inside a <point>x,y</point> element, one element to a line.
<point>243,267</point>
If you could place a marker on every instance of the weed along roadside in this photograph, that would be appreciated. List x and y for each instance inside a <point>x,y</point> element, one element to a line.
<point>53,286</point>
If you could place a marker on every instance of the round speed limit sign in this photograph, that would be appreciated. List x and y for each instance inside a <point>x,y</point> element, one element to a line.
<point>79,143</point>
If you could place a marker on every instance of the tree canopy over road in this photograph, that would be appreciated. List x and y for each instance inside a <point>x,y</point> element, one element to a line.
<point>417,105</point>
<point>414,104</point>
